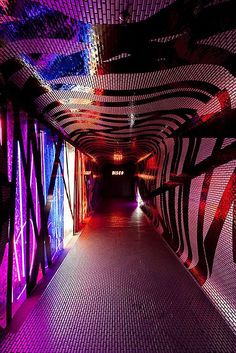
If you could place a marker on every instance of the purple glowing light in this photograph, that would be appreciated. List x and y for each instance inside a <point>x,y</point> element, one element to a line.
<point>3,287</point>
<point>21,211</point>
<point>21,293</point>
<point>10,129</point>
<point>19,270</point>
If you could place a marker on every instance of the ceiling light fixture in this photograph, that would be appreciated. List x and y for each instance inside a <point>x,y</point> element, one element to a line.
<point>132,119</point>
<point>118,156</point>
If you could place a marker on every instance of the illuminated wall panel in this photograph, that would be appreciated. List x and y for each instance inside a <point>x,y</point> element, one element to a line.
<point>4,191</point>
<point>19,254</point>
<point>19,241</point>
<point>78,193</point>
<point>49,185</point>
<point>69,175</point>
<point>3,285</point>
<point>36,208</point>
<point>84,203</point>
<point>10,130</point>
<point>189,190</point>
<point>81,202</point>
<point>87,188</point>
<point>38,174</point>
<point>4,201</point>
<point>56,215</point>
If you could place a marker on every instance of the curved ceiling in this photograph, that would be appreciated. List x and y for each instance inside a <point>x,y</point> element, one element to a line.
<point>116,79</point>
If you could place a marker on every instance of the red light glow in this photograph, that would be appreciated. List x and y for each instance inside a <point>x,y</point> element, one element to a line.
<point>145,176</point>
<point>118,156</point>
<point>87,172</point>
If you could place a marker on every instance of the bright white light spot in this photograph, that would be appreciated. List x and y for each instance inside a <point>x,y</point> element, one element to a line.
<point>132,119</point>
<point>117,172</point>
<point>118,156</point>
<point>139,199</point>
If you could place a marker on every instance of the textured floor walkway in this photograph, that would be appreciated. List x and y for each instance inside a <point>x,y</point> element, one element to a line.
<point>121,290</point>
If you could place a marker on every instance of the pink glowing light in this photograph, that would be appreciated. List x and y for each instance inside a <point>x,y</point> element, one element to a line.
<point>31,222</point>
<point>3,286</point>
<point>17,263</point>
<point>31,171</point>
<point>42,161</point>
<point>21,212</point>
<point>34,246</point>
<point>4,4</point>
<point>10,129</point>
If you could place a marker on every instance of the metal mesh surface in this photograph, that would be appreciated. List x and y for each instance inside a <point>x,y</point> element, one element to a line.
<point>121,290</point>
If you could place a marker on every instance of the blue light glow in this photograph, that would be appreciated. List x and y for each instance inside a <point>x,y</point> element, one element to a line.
<point>56,216</point>
<point>70,65</point>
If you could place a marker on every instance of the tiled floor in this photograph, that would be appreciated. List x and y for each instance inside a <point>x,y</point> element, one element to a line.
<point>121,290</point>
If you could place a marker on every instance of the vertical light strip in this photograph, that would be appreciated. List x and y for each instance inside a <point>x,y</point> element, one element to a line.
<point>17,263</point>
<point>9,143</point>
<point>42,162</point>
<point>36,206</point>
<point>33,236</point>
<point>24,288</point>
<point>33,246</point>
<point>21,211</point>
<point>31,172</point>
<point>139,198</point>
<point>36,193</point>
<point>80,188</point>
<point>132,119</point>
<point>43,169</point>
<point>56,212</point>
<point>35,129</point>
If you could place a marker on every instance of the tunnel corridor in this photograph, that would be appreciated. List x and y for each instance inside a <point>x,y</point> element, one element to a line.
<point>117,176</point>
<point>120,289</point>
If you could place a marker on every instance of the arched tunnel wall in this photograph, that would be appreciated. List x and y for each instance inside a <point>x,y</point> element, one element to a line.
<point>188,192</point>
<point>187,187</point>
<point>152,81</point>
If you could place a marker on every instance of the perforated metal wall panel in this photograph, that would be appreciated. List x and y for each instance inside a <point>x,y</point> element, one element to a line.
<point>117,76</point>
<point>189,190</point>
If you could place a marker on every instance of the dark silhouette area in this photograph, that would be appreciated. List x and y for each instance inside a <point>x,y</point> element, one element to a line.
<point>118,181</point>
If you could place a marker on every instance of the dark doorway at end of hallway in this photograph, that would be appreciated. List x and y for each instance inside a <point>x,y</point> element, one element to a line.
<point>118,181</point>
